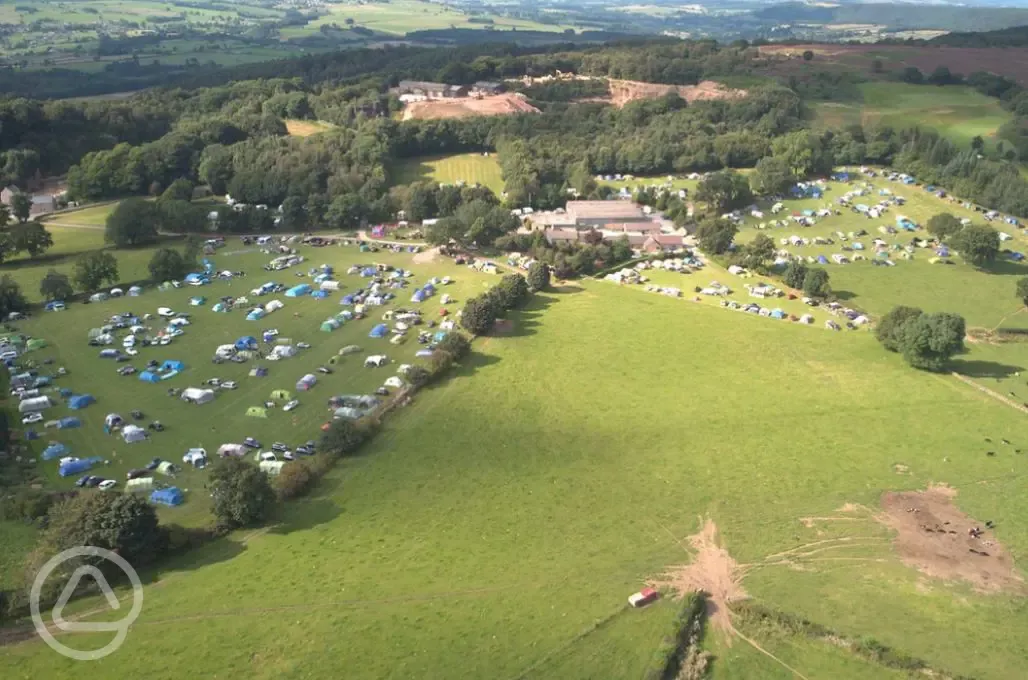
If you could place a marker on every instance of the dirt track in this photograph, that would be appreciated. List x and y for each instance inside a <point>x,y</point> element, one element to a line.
<point>624,91</point>
<point>466,107</point>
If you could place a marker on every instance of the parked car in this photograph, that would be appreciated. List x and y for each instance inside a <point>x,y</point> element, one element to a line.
<point>303,345</point>
<point>288,455</point>
<point>267,456</point>
<point>94,481</point>
<point>32,418</point>
<point>126,370</point>
<point>165,312</point>
<point>279,446</point>
<point>107,484</point>
<point>324,369</point>
<point>252,443</point>
<point>291,405</point>
<point>153,464</point>
<point>81,481</point>
<point>156,426</point>
<point>304,451</point>
<point>136,473</point>
<point>137,415</point>
<point>229,385</point>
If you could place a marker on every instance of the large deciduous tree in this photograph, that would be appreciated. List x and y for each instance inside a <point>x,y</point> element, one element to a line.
<point>55,286</point>
<point>343,438</point>
<point>539,275</point>
<point>771,176</point>
<point>889,330</point>
<point>794,274</point>
<point>479,314</point>
<point>242,493</point>
<point>168,264</point>
<point>804,153</point>
<point>977,243</point>
<point>94,269</point>
<point>929,340</point>
<point>21,206</point>
<point>30,237</point>
<point>944,226</point>
<point>816,283</point>
<point>723,191</point>
<point>1022,290</point>
<point>132,223</point>
<point>11,297</point>
<point>715,236</point>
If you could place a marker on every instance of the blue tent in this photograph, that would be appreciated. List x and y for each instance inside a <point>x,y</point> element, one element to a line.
<point>908,180</point>
<point>246,342</point>
<point>841,177</point>
<point>55,450</point>
<point>149,377</point>
<point>172,365</point>
<point>196,278</point>
<point>368,271</point>
<point>109,353</point>
<point>943,251</point>
<point>379,331</point>
<point>347,300</point>
<point>428,288</point>
<point>170,496</point>
<point>268,336</point>
<point>255,315</point>
<point>320,294</point>
<point>327,268</point>
<point>1016,256</point>
<point>41,381</point>
<point>821,259</point>
<point>31,435</point>
<point>74,467</point>
<point>777,314</point>
<point>208,265</point>
<point>418,296</point>
<point>68,423</point>
<point>297,291</point>
<point>439,336</point>
<point>81,401</point>
<point>65,392</point>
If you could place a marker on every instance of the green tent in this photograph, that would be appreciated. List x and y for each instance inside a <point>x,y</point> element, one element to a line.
<point>281,395</point>
<point>334,359</point>
<point>36,343</point>
<point>330,325</point>
<point>257,412</point>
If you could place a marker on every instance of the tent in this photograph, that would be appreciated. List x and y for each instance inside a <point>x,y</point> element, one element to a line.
<point>273,305</point>
<point>196,279</point>
<point>237,450</point>
<point>297,291</point>
<point>329,285</point>
<point>368,271</point>
<point>34,404</point>
<point>111,421</point>
<point>418,296</point>
<point>166,468</point>
<point>379,331</point>
<point>777,314</point>
<point>81,401</point>
<point>36,343</point>
<point>821,259</point>
<point>197,301</point>
<point>196,395</point>
<point>306,382</point>
<point>31,435</point>
<point>220,307</point>
<point>55,450</point>
<point>255,314</point>
<point>74,467</point>
<point>139,484</point>
<point>439,336</point>
<point>133,433</point>
<point>171,496</point>
<point>423,354</point>
<point>329,325</point>
<point>246,342</point>
<point>347,412</point>
<point>347,300</point>
<point>271,467</point>
<point>350,349</point>
<point>283,351</point>
<point>172,365</point>
<point>258,372</point>
<point>319,294</point>
<point>135,291</point>
<point>69,423</point>
<point>281,395</point>
<point>394,381</point>
<point>257,412</point>
<point>149,377</point>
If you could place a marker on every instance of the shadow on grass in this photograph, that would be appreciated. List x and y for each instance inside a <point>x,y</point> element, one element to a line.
<point>306,513</point>
<point>218,550</point>
<point>1005,268</point>
<point>843,295</point>
<point>984,369</point>
<point>526,320</point>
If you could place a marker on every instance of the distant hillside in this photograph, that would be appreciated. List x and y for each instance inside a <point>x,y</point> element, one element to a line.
<point>900,16</point>
<point>1007,37</point>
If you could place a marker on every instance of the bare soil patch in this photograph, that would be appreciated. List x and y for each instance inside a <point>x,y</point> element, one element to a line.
<point>624,91</point>
<point>465,107</point>
<point>937,539</point>
<point>713,571</point>
<point>426,256</point>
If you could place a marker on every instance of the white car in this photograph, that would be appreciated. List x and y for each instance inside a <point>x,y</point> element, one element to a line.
<point>288,455</point>
<point>229,385</point>
<point>267,456</point>
<point>291,405</point>
<point>32,418</point>
<point>165,311</point>
<point>107,484</point>
<point>131,351</point>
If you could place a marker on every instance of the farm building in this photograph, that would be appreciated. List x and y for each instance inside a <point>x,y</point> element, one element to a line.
<point>429,90</point>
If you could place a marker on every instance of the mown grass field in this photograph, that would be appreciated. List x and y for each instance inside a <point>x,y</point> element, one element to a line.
<point>224,419</point>
<point>956,112</point>
<point>306,128</point>
<point>470,168</point>
<point>496,527</point>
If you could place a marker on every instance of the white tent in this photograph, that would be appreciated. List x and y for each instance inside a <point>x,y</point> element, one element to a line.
<point>34,404</point>
<point>197,396</point>
<point>273,305</point>
<point>395,381</point>
<point>283,351</point>
<point>272,467</point>
<point>139,484</point>
<point>133,433</point>
<point>226,450</point>
<point>225,350</point>
<point>329,285</point>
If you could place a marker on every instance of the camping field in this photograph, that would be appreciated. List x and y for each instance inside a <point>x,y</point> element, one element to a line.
<point>496,526</point>
<point>470,168</point>
<point>957,112</point>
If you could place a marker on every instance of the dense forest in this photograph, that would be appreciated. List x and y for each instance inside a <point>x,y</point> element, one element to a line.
<point>232,136</point>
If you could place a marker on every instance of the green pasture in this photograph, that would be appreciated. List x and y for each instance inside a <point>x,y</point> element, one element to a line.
<point>496,526</point>
<point>224,419</point>
<point>957,112</point>
<point>470,168</point>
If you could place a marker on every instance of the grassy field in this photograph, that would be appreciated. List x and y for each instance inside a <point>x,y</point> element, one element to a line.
<point>496,527</point>
<point>306,128</point>
<point>471,168</point>
<point>959,113</point>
